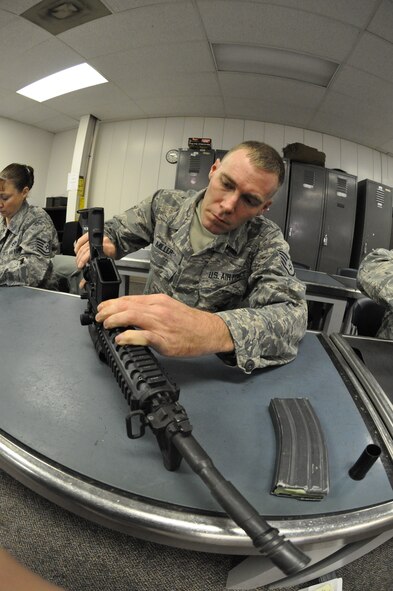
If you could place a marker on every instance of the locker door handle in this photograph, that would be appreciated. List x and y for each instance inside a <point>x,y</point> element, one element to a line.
<point>290,232</point>
<point>325,240</point>
<point>365,248</point>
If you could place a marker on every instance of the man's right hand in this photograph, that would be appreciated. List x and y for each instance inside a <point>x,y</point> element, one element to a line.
<point>82,250</point>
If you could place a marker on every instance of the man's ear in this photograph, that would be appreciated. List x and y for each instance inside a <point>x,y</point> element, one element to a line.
<point>214,167</point>
<point>266,205</point>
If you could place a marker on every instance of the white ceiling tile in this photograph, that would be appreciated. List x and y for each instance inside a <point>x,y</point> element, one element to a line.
<point>58,123</point>
<point>382,23</point>
<point>144,62</point>
<point>11,103</point>
<point>231,21</point>
<point>373,55</point>
<point>18,36</point>
<point>364,88</point>
<point>271,88</point>
<point>5,19</point>
<point>388,146</point>
<point>344,117</point>
<point>150,25</point>
<point>194,106</point>
<point>35,112</point>
<point>356,12</point>
<point>102,101</point>
<point>39,61</point>
<point>121,5</point>
<point>180,85</point>
<point>17,6</point>
<point>266,111</point>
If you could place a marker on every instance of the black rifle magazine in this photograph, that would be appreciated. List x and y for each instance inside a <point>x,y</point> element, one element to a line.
<point>301,470</point>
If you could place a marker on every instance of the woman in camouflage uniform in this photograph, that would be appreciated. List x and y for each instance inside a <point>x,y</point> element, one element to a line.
<point>28,239</point>
<point>375,279</point>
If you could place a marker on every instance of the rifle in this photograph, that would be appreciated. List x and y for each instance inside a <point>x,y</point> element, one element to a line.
<point>154,402</point>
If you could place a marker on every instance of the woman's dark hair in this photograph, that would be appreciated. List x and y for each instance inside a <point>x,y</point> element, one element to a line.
<point>22,175</point>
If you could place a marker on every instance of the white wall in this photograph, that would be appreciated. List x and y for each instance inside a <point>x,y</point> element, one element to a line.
<point>60,163</point>
<point>26,144</point>
<point>129,157</point>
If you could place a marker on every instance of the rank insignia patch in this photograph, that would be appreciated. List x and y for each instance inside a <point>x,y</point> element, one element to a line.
<point>286,262</point>
<point>42,247</point>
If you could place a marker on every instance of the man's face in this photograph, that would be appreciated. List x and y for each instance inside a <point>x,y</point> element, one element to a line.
<point>236,193</point>
<point>10,198</point>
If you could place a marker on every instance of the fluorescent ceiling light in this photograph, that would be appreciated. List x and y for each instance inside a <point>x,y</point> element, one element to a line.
<point>274,62</point>
<point>63,82</point>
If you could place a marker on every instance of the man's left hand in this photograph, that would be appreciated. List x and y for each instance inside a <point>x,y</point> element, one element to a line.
<point>170,327</point>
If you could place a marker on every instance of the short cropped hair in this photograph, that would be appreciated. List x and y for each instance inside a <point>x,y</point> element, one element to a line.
<point>262,156</point>
<point>22,175</point>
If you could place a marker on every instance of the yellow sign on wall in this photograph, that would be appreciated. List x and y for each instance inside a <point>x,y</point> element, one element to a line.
<point>81,192</point>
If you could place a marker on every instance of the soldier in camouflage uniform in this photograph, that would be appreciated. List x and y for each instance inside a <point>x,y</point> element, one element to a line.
<point>28,239</point>
<point>215,253</point>
<point>375,279</point>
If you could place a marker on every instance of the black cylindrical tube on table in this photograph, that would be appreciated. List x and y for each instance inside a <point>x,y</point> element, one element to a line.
<point>365,461</point>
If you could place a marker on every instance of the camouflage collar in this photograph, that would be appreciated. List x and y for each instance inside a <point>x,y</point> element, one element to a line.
<point>233,241</point>
<point>187,209</point>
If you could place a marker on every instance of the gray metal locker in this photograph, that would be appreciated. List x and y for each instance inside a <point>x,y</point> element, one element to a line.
<point>193,167</point>
<point>373,219</point>
<point>338,221</point>
<point>305,212</point>
<point>277,212</point>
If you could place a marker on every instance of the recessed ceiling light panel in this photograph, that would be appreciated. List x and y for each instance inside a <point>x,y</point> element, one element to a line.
<point>63,82</point>
<point>272,61</point>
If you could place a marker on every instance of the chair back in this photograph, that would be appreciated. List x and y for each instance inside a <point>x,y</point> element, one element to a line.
<point>367,316</point>
<point>71,232</point>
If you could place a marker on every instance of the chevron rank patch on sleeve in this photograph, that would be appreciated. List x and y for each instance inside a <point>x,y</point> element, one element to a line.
<point>43,247</point>
<point>286,262</point>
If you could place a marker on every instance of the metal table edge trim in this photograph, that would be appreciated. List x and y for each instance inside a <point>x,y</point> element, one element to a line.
<point>373,396</point>
<point>179,528</point>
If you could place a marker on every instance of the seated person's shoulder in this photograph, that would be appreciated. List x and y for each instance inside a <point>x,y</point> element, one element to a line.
<point>378,262</point>
<point>38,213</point>
<point>167,203</point>
<point>264,229</point>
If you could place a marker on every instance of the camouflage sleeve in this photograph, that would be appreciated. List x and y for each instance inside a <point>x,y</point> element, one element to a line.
<point>375,276</point>
<point>131,230</point>
<point>33,264</point>
<point>268,329</point>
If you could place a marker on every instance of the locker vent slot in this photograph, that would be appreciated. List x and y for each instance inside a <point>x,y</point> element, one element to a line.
<point>380,197</point>
<point>195,163</point>
<point>341,187</point>
<point>309,179</point>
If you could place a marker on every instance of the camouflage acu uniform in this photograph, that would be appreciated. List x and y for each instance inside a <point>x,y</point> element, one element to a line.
<point>27,248</point>
<point>245,276</point>
<point>375,279</point>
